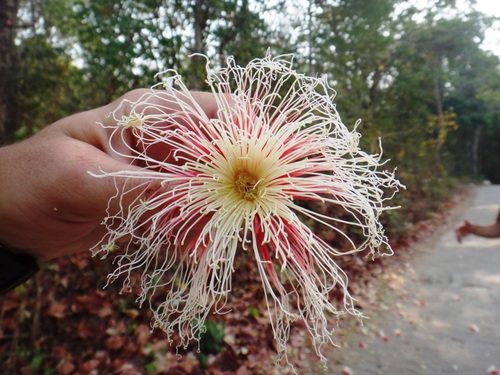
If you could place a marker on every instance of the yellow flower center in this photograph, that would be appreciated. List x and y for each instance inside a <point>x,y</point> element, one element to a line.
<point>247,185</point>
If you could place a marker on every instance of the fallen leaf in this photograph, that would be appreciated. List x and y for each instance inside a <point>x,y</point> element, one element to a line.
<point>90,365</point>
<point>473,328</point>
<point>57,309</point>
<point>142,334</point>
<point>131,313</point>
<point>66,368</point>
<point>114,342</point>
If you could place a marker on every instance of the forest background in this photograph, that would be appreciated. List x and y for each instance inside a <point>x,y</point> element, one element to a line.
<point>418,77</point>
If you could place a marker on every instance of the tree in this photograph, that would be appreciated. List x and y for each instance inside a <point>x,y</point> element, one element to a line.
<point>241,32</point>
<point>115,41</point>
<point>8,105</point>
<point>229,28</point>
<point>354,48</point>
<point>473,149</point>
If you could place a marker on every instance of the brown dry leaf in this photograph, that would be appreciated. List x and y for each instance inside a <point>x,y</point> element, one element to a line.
<point>189,363</point>
<point>104,311</point>
<point>90,365</point>
<point>83,331</point>
<point>126,368</point>
<point>57,309</point>
<point>64,281</point>
<point>80,262</point>
<point>59,351</point>
<point>66,368</point>
<point>142,334</point>
<point>114,342</point>
<point>163,362</point>
<point>94,304</point>
<point>131,313</point>
<point>243,370</point>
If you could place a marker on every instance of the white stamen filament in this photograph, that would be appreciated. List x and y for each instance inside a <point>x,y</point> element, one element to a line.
<point>234,184</point>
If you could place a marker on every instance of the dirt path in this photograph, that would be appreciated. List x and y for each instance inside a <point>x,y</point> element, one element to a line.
<point>439,315</point>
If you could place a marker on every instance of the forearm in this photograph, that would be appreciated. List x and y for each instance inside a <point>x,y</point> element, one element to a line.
<point>487,231</point>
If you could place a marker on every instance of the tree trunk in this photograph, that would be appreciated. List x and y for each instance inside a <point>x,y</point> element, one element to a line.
<point>475,151</point>
<point>8,112</point>
<point>310,38</point>
<point>201,12</point>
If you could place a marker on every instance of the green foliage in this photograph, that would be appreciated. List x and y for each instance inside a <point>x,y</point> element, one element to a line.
<point>36,357</point>
<point>46,83</point>
<point>36,362</point>
<point>150,368</point>
<point>253,311</point>
<point>212,339</point>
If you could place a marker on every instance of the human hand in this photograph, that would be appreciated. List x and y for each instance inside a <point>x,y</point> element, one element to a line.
<point>463,230</point>
<point>50,206</point>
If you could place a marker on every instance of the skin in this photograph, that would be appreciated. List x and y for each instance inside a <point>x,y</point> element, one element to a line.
<point>487,231</point>
<point>50,206</point>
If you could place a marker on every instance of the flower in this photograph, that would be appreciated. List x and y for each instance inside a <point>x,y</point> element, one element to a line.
<point>236,183</point>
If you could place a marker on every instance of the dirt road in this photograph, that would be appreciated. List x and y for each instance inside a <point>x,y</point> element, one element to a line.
<point>440,315</point>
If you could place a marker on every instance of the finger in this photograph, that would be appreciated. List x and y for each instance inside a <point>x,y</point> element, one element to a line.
<point>166,111</point>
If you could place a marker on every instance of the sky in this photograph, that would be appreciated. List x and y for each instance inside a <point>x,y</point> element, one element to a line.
<point>488,7</point>
<point>492,41</point>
